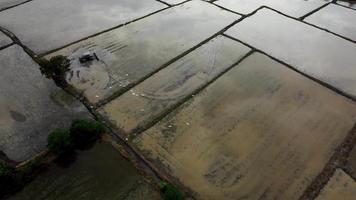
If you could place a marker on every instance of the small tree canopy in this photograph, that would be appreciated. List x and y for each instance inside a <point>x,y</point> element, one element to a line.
<point>84,132</point>
<point>59,141</point>
<point>55,68</point>
<point>170,192</point>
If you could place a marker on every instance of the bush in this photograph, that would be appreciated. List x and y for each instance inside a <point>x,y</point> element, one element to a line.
<point>84,132</point>
<point>55,68</point>
<point>60,141</point>
<point>170,192</point>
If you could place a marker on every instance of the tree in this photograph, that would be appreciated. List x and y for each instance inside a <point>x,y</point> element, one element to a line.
<point>170,192</point>
<point>84,132</point>
<point>60,141</point>
<point>55,68</point>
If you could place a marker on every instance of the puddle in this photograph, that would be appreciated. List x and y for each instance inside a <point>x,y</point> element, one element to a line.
<point>158,94</point>
<point>312,51</point>
<point>44,25</point>
<point>261,131</point>
<point>100,173</point>
<point>295,8</point>
<point>133,52</point>
<point>336,19</point>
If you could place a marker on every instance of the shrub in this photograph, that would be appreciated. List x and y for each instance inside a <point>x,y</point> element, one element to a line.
<point>55,68</point>
<point>170,192</point>
<point>84,132</point>
<point>60,141</point>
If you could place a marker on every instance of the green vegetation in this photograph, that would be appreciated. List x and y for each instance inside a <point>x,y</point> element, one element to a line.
<point>55,68</point>
<point>84,132</point>
<point>170,192</point>
<point>81,134</point>
<point>60,141</point>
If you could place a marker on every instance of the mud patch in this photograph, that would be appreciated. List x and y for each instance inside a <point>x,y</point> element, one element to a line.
<point>17,116</point>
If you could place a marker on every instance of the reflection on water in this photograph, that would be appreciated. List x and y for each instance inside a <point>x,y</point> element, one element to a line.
<point>100,173</point>
<point>131,53</point>
<point>45,25</point>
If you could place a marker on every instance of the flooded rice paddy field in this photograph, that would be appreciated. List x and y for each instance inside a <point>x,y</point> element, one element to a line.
<point>170,86</point>
<point>31,106</point>
<point>332,16</point>
<point>100,173</point>
<point>133,52</point>
<point>266,137</point>
<point>228,99</point>
<point>45,25</point>
<point>293,46</point>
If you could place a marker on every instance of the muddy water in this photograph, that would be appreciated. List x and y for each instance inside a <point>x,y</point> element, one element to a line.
<point>100,173</point>
<point>144,103</point>
<point>261,131</point>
